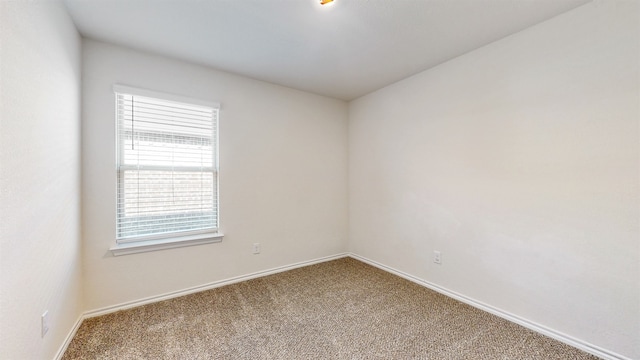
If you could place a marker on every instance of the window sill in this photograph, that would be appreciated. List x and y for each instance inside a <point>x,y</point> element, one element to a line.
<point>162,244</point>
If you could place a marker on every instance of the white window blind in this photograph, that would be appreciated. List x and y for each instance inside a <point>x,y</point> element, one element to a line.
<point>167,166</point>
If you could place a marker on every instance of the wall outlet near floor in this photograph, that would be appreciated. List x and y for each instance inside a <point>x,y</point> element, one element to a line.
<point>45,323</point>
<point>256,248</point>
<point>437,257</point>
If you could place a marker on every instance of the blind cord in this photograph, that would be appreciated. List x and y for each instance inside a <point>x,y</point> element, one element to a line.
<point>133,109</point>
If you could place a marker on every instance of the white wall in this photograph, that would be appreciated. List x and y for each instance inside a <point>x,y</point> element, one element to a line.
<point>519,162</point>
<point>39,177</point>
<point>283,177</point>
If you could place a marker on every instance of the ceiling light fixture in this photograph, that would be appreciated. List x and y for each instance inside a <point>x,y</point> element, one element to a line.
<point>325,2</point>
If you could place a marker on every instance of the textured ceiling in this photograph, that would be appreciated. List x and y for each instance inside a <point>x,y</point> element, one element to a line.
<point>343,50</point>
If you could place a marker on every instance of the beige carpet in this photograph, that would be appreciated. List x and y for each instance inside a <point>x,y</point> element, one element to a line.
<point>342,309</point>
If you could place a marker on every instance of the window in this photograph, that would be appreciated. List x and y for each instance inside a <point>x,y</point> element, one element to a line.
<point>167,169</point>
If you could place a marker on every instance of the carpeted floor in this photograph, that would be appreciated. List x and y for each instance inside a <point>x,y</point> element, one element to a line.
<point>342,309</point>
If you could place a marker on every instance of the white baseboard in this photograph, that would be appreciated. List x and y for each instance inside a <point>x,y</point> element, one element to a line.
<point>212,285</point>
<point>577,343</point>
<point>583,345</point>
<point>69,337</point>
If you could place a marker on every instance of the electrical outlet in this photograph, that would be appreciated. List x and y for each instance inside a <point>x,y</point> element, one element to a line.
<point>437,257</point>
<point>256,248</point>
<point>45,323</point>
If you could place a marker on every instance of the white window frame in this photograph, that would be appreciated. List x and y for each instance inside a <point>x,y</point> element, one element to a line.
<point>165,241</point>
